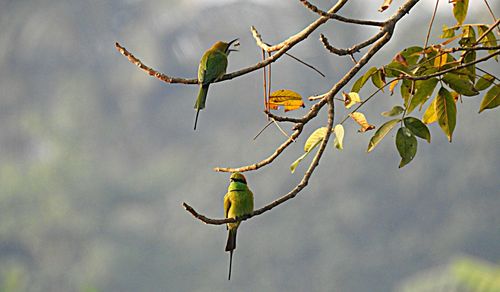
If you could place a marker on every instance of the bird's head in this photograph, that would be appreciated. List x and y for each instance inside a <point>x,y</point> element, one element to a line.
<point>238,177</point>
<point>225,47</point>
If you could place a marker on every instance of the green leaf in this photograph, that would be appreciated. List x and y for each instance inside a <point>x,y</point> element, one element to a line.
<point>406,143</point>
<point>484,82</point>
<point>362,80</point>
<point>412,54</point>
<point>418,128</point>
<point>314,139</point>
<point>491,99</point>
<point>394,69</point>
<point>446,112</point>
<point>447,32</point>
<point>339,136</point>
<point>424,89</point>
<point>406,90</point>
<point>470,56</point>
<point>460,10</point>
<point>468,36</point>
<point>317,136</point>
<point>381,133</point>
<point>294,165</point>
<point>430,115</point>
<point>378,79</point>
<point>490,39</point>
<point>396,110</point>
<point>460,84</point>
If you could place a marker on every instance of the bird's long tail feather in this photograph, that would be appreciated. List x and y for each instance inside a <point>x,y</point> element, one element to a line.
<point>230,247</point>
<point>200,101</point>
<point>230,264</point>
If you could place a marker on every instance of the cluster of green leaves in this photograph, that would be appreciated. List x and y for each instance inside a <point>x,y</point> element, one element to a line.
<point>433,78</point>
<point>417,71</point>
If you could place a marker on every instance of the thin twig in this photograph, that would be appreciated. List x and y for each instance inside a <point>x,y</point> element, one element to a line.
<point>491,12</point>
<point>486,72</point>
<point>263,129</point>
<point>315,9</point>
<point>430,24</point>
<point>497,22</point>
<point>269,159</point>
<point>424,77</point>
<point>281,130</point>
<point>264,82</point>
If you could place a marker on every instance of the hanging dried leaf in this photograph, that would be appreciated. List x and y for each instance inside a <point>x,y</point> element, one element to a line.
<point>361,120</point>
<point>289,99</point>
<point>351,99</point>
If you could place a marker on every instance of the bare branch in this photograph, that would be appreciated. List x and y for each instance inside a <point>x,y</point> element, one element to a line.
<point>151,71</point>
<point>327,98</point>
<point>316,10</point>
<point>353,49</point>
<point>303,183</point>
<point>268,160</point>
<point>300,36</point>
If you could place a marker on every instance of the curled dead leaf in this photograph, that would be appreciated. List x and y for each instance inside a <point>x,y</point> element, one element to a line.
<point>361,120</point>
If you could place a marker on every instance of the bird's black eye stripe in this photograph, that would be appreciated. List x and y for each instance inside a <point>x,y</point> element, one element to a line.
<point>239,180</point>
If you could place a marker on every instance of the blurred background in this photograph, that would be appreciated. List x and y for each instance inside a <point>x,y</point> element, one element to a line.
<point>96,158</point>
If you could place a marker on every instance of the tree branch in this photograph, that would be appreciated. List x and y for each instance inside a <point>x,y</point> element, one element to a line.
<point>269,159</point>
<point>353,49</point>
<point>303,183</point>
<point>316,10</point>
<point>424,77</point>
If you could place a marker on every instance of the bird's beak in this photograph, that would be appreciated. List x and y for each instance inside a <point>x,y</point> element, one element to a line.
<point>235,42</point>
<point>231,42</point>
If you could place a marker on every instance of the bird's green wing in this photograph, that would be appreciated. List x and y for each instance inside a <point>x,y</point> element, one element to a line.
<point>214,67</point>
<point>227,205</point>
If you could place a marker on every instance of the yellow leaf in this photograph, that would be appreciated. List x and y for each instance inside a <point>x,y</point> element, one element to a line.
<point>430,115</point>
<point>361,120</point>
<point>440,61</point>
<point>351,99</point>
<point>289,99</point>
<point>393,85</point>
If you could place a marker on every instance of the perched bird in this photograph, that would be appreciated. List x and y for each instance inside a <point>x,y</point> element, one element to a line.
<point>213,65</point>
<point>237,202</point>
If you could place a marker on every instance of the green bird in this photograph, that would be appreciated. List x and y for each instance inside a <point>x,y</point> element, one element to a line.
<point>213,65</point>
<point>237,202</point>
